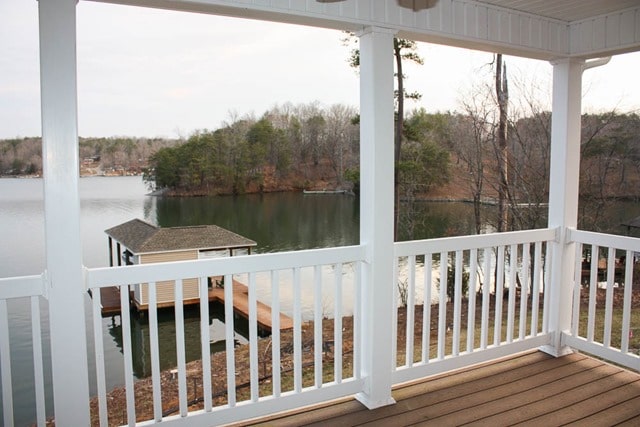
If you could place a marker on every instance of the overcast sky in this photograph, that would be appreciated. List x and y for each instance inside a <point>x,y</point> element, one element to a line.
<point>144,72</point>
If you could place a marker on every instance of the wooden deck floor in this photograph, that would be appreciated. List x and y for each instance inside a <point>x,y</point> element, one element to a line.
<point>527,389</point>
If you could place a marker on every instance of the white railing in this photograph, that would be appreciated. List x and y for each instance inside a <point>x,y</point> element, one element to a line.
<point>478,298</point>
<point>501,279</point>
<point>31,287</point>
<point>603,322</point>
<point>309,364</point>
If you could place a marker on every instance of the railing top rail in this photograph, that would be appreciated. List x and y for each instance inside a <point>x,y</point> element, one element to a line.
<point>108,276</point>
<point>478,241</point>
<point>22,286</point>
<point>604,240</point>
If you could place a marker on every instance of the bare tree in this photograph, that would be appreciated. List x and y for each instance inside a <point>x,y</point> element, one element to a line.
<point>340,133</point>
<point>502,97</point>
<point>472,135</point>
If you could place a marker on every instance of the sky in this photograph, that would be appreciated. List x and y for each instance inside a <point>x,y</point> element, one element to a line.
<point>153,73</point>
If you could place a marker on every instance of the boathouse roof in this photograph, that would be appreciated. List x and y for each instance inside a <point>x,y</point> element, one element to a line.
<point>141,237</point>
<point>632,223</point>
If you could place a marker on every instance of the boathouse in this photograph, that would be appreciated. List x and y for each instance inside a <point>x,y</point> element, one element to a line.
<point>138,242</point>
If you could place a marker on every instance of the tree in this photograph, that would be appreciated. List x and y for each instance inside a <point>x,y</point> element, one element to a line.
<point>164,170</point>
<point>340,133</point>
<point>424,164</point>
<point>315,133</point>
<point>472,134</point>
<point>609,153</point>
<point>247,154</point>
<point>502,97</point>
<point>403,50</point>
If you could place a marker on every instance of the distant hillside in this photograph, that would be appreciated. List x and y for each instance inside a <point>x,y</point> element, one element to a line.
<point>98,156</point>
<point>308,147</point>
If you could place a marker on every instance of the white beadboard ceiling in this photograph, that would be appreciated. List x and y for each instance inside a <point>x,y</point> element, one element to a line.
<point>542,29</point>
<point>565,10</point>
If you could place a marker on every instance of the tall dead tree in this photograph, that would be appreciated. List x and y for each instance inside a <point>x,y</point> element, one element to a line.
<point>502,95</point>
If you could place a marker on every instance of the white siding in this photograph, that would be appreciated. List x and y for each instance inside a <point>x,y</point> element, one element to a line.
<point>165,289</point>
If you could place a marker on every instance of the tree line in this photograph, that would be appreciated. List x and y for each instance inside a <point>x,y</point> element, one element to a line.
<point>287,147</point>
<point>295,147</point>
<point>23,156</point>
<point>310,147</point>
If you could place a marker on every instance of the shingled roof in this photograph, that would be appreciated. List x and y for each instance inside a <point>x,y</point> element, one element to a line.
<point>141,237</point>
<point>633,223</point>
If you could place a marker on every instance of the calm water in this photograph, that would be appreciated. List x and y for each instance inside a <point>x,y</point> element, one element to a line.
<point>277,222</point>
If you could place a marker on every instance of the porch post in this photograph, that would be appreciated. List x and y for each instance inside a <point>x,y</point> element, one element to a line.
<point>376,213</point>
<point>57,21</point>
<point>563,194</point>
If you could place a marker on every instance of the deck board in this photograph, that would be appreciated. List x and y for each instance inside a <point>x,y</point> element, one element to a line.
<point>530,388</point>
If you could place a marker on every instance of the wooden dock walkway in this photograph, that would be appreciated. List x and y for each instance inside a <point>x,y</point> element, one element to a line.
<point>110,300</point>
<point>241,306</point>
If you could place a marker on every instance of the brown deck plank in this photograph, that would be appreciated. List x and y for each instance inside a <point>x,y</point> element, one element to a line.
<point>532,388</point>
<point>410,397</point>
<point>599,397</point>
<point>561,399</point>
<point>403,394</point>
<point>515,390</point>
<point>624,412</point>
<point>510,397</point>
<point>445,397</point>
<point>467,375</point>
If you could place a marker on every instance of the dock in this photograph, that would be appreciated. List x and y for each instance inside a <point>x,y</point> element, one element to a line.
<point>110,301</point>
<point>241,306</point>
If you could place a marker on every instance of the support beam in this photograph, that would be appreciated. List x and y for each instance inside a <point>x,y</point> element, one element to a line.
<point>563,193</point>
<point>110,252</point>
<point>57,20</point>
<point>376,213</point>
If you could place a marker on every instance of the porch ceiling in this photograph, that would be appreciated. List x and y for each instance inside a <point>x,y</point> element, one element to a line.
<point>541,29</point>
<point>566,10</point>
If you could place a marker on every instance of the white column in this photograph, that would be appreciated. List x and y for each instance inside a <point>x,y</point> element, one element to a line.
<point>563,193</point>
<point>376,213</point>
<point>62,211</point>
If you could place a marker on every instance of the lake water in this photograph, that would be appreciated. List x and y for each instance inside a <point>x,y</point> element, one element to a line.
<point>277,222</point>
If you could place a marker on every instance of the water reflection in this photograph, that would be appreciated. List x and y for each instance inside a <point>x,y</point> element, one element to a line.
<point>140,338</point>
<point>277,221</point>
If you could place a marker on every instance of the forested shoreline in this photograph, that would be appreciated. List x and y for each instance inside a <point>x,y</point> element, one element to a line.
<point>291,148</point>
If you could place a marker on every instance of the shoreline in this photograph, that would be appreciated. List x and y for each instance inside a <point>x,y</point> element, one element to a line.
<point>165,192</point>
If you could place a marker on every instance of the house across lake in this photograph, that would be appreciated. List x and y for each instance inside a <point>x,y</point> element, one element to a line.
<point>138,242</point>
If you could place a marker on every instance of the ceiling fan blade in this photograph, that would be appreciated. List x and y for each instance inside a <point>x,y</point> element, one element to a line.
<point>416,5</point>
